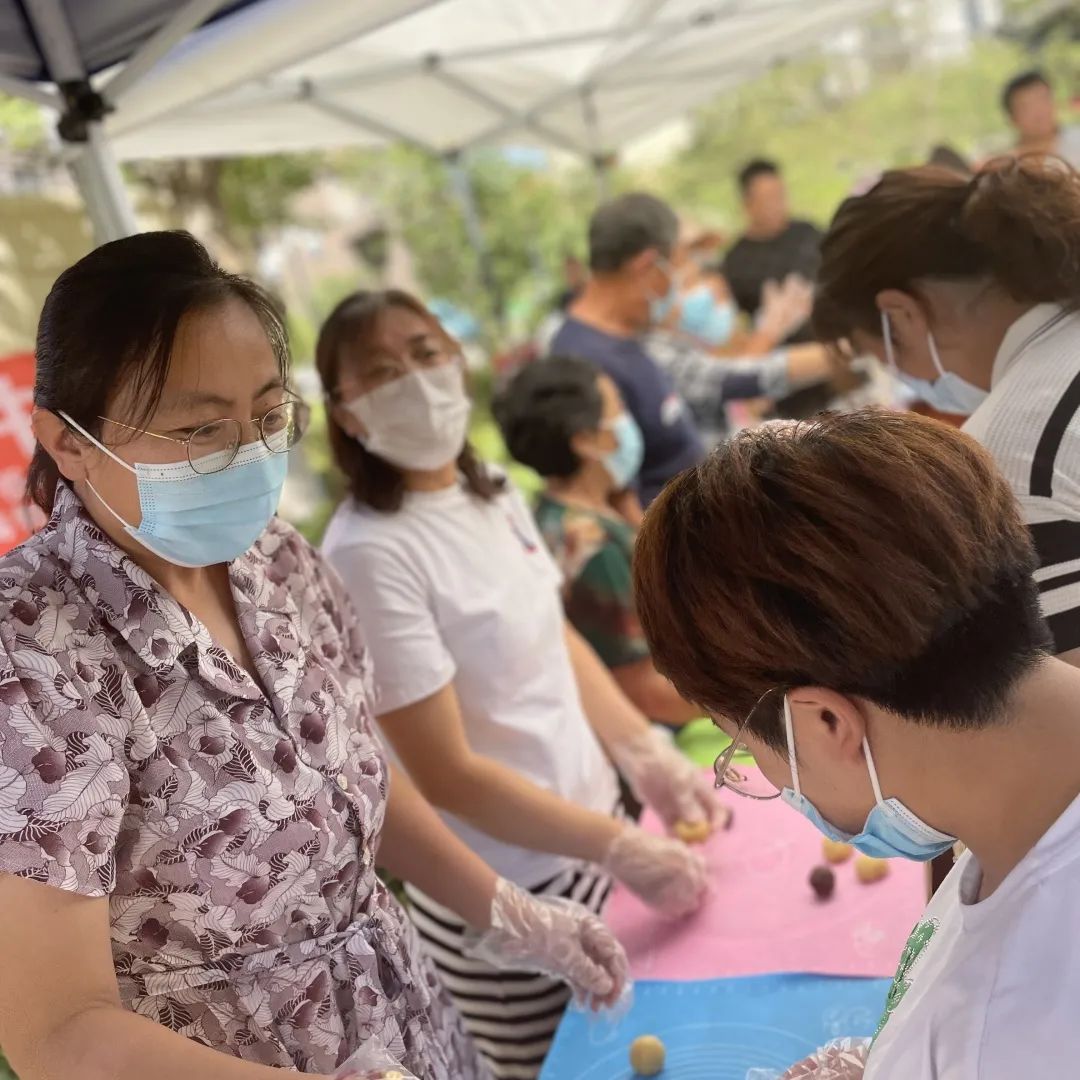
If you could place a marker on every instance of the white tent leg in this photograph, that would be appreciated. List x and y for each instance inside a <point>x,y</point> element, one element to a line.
<point>98,176</point>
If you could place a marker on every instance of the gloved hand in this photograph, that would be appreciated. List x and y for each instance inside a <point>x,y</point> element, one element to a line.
<point>842,1059</point>
<point>784,307</point>
<point>661,776</point>
<point>555,937</point>
<point>666,874</point>
<point>372,1061</point>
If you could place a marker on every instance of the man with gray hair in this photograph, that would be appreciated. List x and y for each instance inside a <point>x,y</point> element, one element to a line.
<point>633,287</point>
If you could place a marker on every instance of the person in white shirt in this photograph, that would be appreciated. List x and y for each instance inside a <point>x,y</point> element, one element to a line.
<point>500,712</point>
<point>970,290</point>
<point>852,599</point>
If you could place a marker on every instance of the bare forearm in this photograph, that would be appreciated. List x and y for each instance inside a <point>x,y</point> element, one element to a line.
<point>808,363</point>
<point>612,716</point>
<point>506,805</point>
<point>416,846</point>
<point>109,1043</point>
<point>654,695</point>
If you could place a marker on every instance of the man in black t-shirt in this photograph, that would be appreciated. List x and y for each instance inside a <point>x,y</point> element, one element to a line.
<point>773,245</point>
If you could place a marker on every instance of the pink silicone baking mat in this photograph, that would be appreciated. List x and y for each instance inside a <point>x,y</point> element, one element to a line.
<point>762,916</point>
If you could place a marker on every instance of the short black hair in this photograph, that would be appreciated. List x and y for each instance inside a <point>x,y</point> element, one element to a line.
<point>753,169</point>
<point>626,226</point>
<point>545,405</point>
<point>1025,79</point>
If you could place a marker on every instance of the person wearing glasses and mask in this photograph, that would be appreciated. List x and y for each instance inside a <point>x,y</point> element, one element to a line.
<point>193,799</point>
<point>498,709</point>
<point>852,599</point>
<point>969,289</point>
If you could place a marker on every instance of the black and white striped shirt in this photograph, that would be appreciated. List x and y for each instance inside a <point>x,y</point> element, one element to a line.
<point>1030,423</point>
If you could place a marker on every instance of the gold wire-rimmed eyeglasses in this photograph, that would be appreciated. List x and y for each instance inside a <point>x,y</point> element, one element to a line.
<point>749,785</point>
<point>213,446</point>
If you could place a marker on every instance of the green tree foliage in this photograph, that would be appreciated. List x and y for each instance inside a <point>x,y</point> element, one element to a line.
<point>530,219</point>
<point>22,125</point>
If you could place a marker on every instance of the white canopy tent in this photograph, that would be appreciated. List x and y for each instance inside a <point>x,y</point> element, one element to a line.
<point>155,79</point>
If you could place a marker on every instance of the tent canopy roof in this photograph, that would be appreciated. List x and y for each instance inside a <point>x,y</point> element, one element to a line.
<point>105,31</point>
<point>222,77</point>
<point>290,75</point>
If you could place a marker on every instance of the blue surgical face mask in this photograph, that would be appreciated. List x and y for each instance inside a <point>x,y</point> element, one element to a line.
<point>660,306</point>
<point>705,317</point>
<point>891,831</point>
<point>199,519</point>
<point>624,462</point>
<point>948,393</point>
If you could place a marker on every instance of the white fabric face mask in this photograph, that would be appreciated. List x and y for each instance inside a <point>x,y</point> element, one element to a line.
<point>418,421</point>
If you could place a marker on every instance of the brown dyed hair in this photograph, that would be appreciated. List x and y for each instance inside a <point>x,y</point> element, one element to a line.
<point>878,554</point>
<point>1016,223</point>
<point>345,338</point>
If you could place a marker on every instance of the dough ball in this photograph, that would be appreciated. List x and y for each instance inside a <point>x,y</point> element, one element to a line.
<point>823,882</point>
<point>869,870</point>
<point>692,832</point>
<point>647,1055</point>
<point>836,852</point>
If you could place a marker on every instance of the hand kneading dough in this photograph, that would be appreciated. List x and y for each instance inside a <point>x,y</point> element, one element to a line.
<point>647,1055</point>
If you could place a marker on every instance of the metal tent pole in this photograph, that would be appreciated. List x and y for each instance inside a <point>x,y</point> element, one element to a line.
<point>461,187</point>
<point>94,167</point>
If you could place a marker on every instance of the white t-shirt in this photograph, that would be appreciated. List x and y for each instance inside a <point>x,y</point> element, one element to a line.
<point>990,990</point>
<point>1030,423</point>
<point>455,589</point>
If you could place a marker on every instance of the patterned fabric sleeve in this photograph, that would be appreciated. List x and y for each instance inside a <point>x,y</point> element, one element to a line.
<point>600,605</point>
<point>64,783</point>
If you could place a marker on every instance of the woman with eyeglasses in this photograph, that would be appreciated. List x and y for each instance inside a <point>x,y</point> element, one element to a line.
<point>852,599</point>
<point>496,707</point>
<point>193,800</point>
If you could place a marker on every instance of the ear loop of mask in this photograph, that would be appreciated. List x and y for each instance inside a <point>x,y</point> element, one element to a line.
<point>794,765</point>
<point>105,450</point>
<point>890,354</point>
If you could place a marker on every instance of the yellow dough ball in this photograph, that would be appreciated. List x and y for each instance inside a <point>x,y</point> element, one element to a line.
<point>692,832</point>
<point>869,870</point>
<point>835,851</point>
<point>647,1055</point>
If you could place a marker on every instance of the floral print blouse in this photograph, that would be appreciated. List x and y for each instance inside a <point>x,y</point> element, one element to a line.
<point>233,826</point>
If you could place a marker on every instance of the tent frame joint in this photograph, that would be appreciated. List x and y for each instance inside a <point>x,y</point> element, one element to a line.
<point>83,106</point>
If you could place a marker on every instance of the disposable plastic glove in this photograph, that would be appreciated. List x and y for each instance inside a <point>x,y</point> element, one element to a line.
<point>842,1059</point>
<point>555,937</point>
<point>372,1062</point>
<point>665,779</point>
<point>666,874</point>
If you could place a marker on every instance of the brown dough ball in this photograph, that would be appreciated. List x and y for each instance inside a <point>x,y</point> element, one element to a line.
<point>835,851</point>
<point>647,1055</point>
<point>869,870</point>
<point>823,882</point>
<point>692,832</point>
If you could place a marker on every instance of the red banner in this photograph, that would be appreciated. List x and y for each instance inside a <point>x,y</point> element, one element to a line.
<point>17,522</point>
